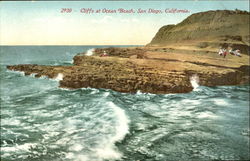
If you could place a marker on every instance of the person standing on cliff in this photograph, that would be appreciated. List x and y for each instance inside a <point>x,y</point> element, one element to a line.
<point>220,51</point>
<point>237,53</point>
<point>104,54</point>
<point>224,53</point>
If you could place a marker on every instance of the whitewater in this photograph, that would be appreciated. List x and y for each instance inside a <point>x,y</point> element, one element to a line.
<point>40,121</point>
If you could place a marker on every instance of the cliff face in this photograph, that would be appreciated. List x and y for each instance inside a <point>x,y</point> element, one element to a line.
<point>213,27</point>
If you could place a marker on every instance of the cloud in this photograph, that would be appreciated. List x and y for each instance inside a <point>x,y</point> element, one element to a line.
<point>54,20</point>
<point>108,19</point>
<point>105,19</point>
<point>125,20</point>
<point>129,20</point>
<point>135,20</point>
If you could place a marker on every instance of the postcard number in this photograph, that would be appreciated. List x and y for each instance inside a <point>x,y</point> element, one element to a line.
<point>66,10</point>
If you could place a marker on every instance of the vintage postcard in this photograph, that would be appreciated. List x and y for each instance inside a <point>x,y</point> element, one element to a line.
<point>124,80</point>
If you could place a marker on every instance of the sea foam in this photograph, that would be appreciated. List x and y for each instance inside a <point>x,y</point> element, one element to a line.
<point>59,77</point>
<point>19,148</point>
<point>109,151</point>
<point>90,52</point>
<point>194,80</point>
<point>16,72</point>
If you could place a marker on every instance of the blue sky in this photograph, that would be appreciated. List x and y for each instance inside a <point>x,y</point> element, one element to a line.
<point>42,23</point>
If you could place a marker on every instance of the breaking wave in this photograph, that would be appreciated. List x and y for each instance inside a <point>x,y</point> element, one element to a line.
<point>194,80</point>
<point>109,151</point>
<point>59,77</point>
<point>90,52</point>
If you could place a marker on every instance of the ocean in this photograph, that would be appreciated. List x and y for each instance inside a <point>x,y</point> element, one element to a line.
<point>41,122</point>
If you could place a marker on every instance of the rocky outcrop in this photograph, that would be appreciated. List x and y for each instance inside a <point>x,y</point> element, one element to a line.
<point>163,69</point>
<point>136,52</point>
<point>128,75</point>
<point>111,74</point>
<point>213,28</point>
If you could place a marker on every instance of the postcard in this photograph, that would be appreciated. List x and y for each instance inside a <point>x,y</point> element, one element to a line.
<point>124,80</point>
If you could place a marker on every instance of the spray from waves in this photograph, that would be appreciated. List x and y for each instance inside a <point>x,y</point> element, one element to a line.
<point>33,75</point>
<point>90,52</point>
<point>19,148</point>
<point>105,149</point>
<point>16,72</point>
<point>108,149</point>
<point>194,80</point>
<point>138,92</point>
<point>68,62</point>
<point>122,129</point>
<point>59,77</point>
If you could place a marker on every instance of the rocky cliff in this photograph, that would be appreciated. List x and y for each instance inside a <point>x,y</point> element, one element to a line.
<point>152,70</point>
<point>176,54</point>
<point>211,28</point>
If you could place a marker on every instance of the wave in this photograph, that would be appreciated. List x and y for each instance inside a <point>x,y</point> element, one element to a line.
<point>194,80</point>
<point>123,123</point>
<point>19,148</point>
<point>108,149</point>
<point>109,125</point>
<point>33,75</point>
<point>68,62</point>
<point>59,77</point>
<point>16,72</point>
<point>90,52</point>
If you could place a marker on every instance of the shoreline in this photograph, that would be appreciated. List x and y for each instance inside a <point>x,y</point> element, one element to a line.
<point>146,69</point>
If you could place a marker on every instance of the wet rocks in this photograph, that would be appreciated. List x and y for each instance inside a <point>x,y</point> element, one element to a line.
<point>131,74</point>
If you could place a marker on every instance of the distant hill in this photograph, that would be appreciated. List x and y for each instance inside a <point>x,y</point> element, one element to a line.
<point>208,29</point>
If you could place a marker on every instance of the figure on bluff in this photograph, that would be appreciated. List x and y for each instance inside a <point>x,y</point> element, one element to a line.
<point>235,52</point>
<point>222,52</point>
<point>104,54</point>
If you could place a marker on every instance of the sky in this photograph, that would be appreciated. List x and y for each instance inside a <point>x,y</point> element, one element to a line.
<point>43,23</point>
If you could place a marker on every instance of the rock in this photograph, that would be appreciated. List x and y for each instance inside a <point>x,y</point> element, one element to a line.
<point>161,69</point>
<point>201,29</point>
<point>131,78</point>
<point>133,57</point>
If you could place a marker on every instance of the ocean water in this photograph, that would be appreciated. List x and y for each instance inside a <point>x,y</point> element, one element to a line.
<point>41,122</point>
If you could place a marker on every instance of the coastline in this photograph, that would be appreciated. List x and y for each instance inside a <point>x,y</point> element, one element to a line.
<point>175,55</point>
<point>156,70</point>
